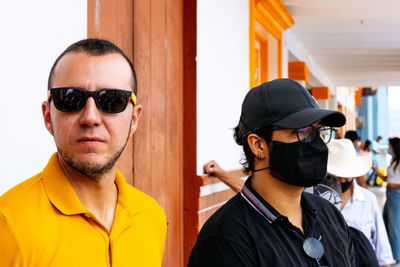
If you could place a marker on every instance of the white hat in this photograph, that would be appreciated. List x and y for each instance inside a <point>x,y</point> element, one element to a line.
<point>343,161</point>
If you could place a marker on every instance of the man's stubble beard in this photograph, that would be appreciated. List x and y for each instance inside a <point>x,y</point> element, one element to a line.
<point>93,171</point>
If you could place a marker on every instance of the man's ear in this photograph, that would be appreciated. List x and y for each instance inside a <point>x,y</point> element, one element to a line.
<point>47,117</point>
<point>137,111</point>
<point>258,146</point>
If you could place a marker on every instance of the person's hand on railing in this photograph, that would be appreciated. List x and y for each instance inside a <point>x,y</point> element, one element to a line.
<point>213,169</point>
<point>231,179</point>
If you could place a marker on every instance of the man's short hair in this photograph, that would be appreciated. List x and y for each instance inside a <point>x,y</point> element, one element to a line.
<point>240,135</point>
<point>94,47</point>
<point>352,135</point>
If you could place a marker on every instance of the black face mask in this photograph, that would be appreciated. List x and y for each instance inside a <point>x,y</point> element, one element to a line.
<point>346,185</point>
<point>298,163</point>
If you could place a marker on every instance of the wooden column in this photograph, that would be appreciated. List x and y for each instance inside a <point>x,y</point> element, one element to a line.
<point>191,181</point>
<point>151,33</point>
<point>158,143</point>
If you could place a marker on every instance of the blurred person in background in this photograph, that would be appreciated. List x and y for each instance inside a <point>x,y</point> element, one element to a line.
<point>391,211</point>
<point>365,150</point>
<point>355,139</point>
<point>359,206</point>
<point>377,152</point>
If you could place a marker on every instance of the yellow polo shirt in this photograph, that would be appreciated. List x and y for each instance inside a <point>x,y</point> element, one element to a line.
<point>43,223</point>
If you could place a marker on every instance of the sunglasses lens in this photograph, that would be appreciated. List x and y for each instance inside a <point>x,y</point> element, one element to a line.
<point>68,99</point>
<point>306,134</point>
<point>112,101</point>
<point>325,133</point>
<point>313,248</point>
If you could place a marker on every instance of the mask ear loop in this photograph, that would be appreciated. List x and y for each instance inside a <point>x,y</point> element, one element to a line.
<point>259,158</point>
<point>269,151</point>
<point>261,169</point>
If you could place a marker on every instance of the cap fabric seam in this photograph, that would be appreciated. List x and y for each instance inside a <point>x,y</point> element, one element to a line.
<point>268,105</point>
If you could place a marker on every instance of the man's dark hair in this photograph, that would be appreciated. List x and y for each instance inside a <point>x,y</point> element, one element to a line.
<point>94,47</point>
<point>352,135</point>
<point>240,135</point>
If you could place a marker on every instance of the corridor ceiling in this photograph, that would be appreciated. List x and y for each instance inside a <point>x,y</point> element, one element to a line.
<point>355,42</point>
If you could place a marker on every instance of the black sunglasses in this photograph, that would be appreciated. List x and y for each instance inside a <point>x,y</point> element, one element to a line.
<point>71,99</point>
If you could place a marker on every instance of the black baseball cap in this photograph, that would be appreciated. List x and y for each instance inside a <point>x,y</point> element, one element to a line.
<point>287,104</point>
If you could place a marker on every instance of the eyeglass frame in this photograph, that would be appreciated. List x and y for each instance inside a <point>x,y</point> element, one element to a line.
<point>316,130</point>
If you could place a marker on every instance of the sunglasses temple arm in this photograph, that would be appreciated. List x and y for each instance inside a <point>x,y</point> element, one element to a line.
<point>48,95</point>
<point>133,97</point>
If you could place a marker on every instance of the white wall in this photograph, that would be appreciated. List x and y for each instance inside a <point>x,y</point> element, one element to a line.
<point>297,49</point>
<point>345,95</point>
<point>33,34</point>
<point>222,78</point>
<point>273,64</point>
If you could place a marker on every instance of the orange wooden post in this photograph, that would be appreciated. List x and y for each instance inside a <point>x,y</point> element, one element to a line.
<point>321,93</point>
<point>298,71</point>
<point>158,146</point>
<point>191,182</point>
<point>273,16</point>
<point>358,96</point>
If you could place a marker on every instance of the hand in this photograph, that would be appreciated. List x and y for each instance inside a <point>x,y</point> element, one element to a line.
<point>374,169</point>
<point>213,169</point>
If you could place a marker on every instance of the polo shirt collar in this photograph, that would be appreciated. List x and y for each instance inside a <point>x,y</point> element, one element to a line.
<point>265,209</point>
<point>357,193</point>
<point>59,190</point>
<point>258,203</point>
<point>63,196</point>
<point>126,199</point>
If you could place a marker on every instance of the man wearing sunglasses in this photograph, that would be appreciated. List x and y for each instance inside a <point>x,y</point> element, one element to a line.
<point>272,222</point>
<point>79,211</point>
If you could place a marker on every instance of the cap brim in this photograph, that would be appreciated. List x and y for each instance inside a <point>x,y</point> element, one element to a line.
<point>356,168</point>
<point>309,116</point>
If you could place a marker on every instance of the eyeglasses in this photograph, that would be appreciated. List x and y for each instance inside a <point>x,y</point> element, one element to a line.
<point>308,134</point>
<point>71,99</point>
<point>314,248</point>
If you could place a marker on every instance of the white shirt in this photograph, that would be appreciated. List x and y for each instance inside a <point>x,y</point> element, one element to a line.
<point>393,175</point>
<point>377,147</point>
<point>363,213</point>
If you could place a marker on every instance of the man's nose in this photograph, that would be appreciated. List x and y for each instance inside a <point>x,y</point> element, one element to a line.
<point>90,114</point>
